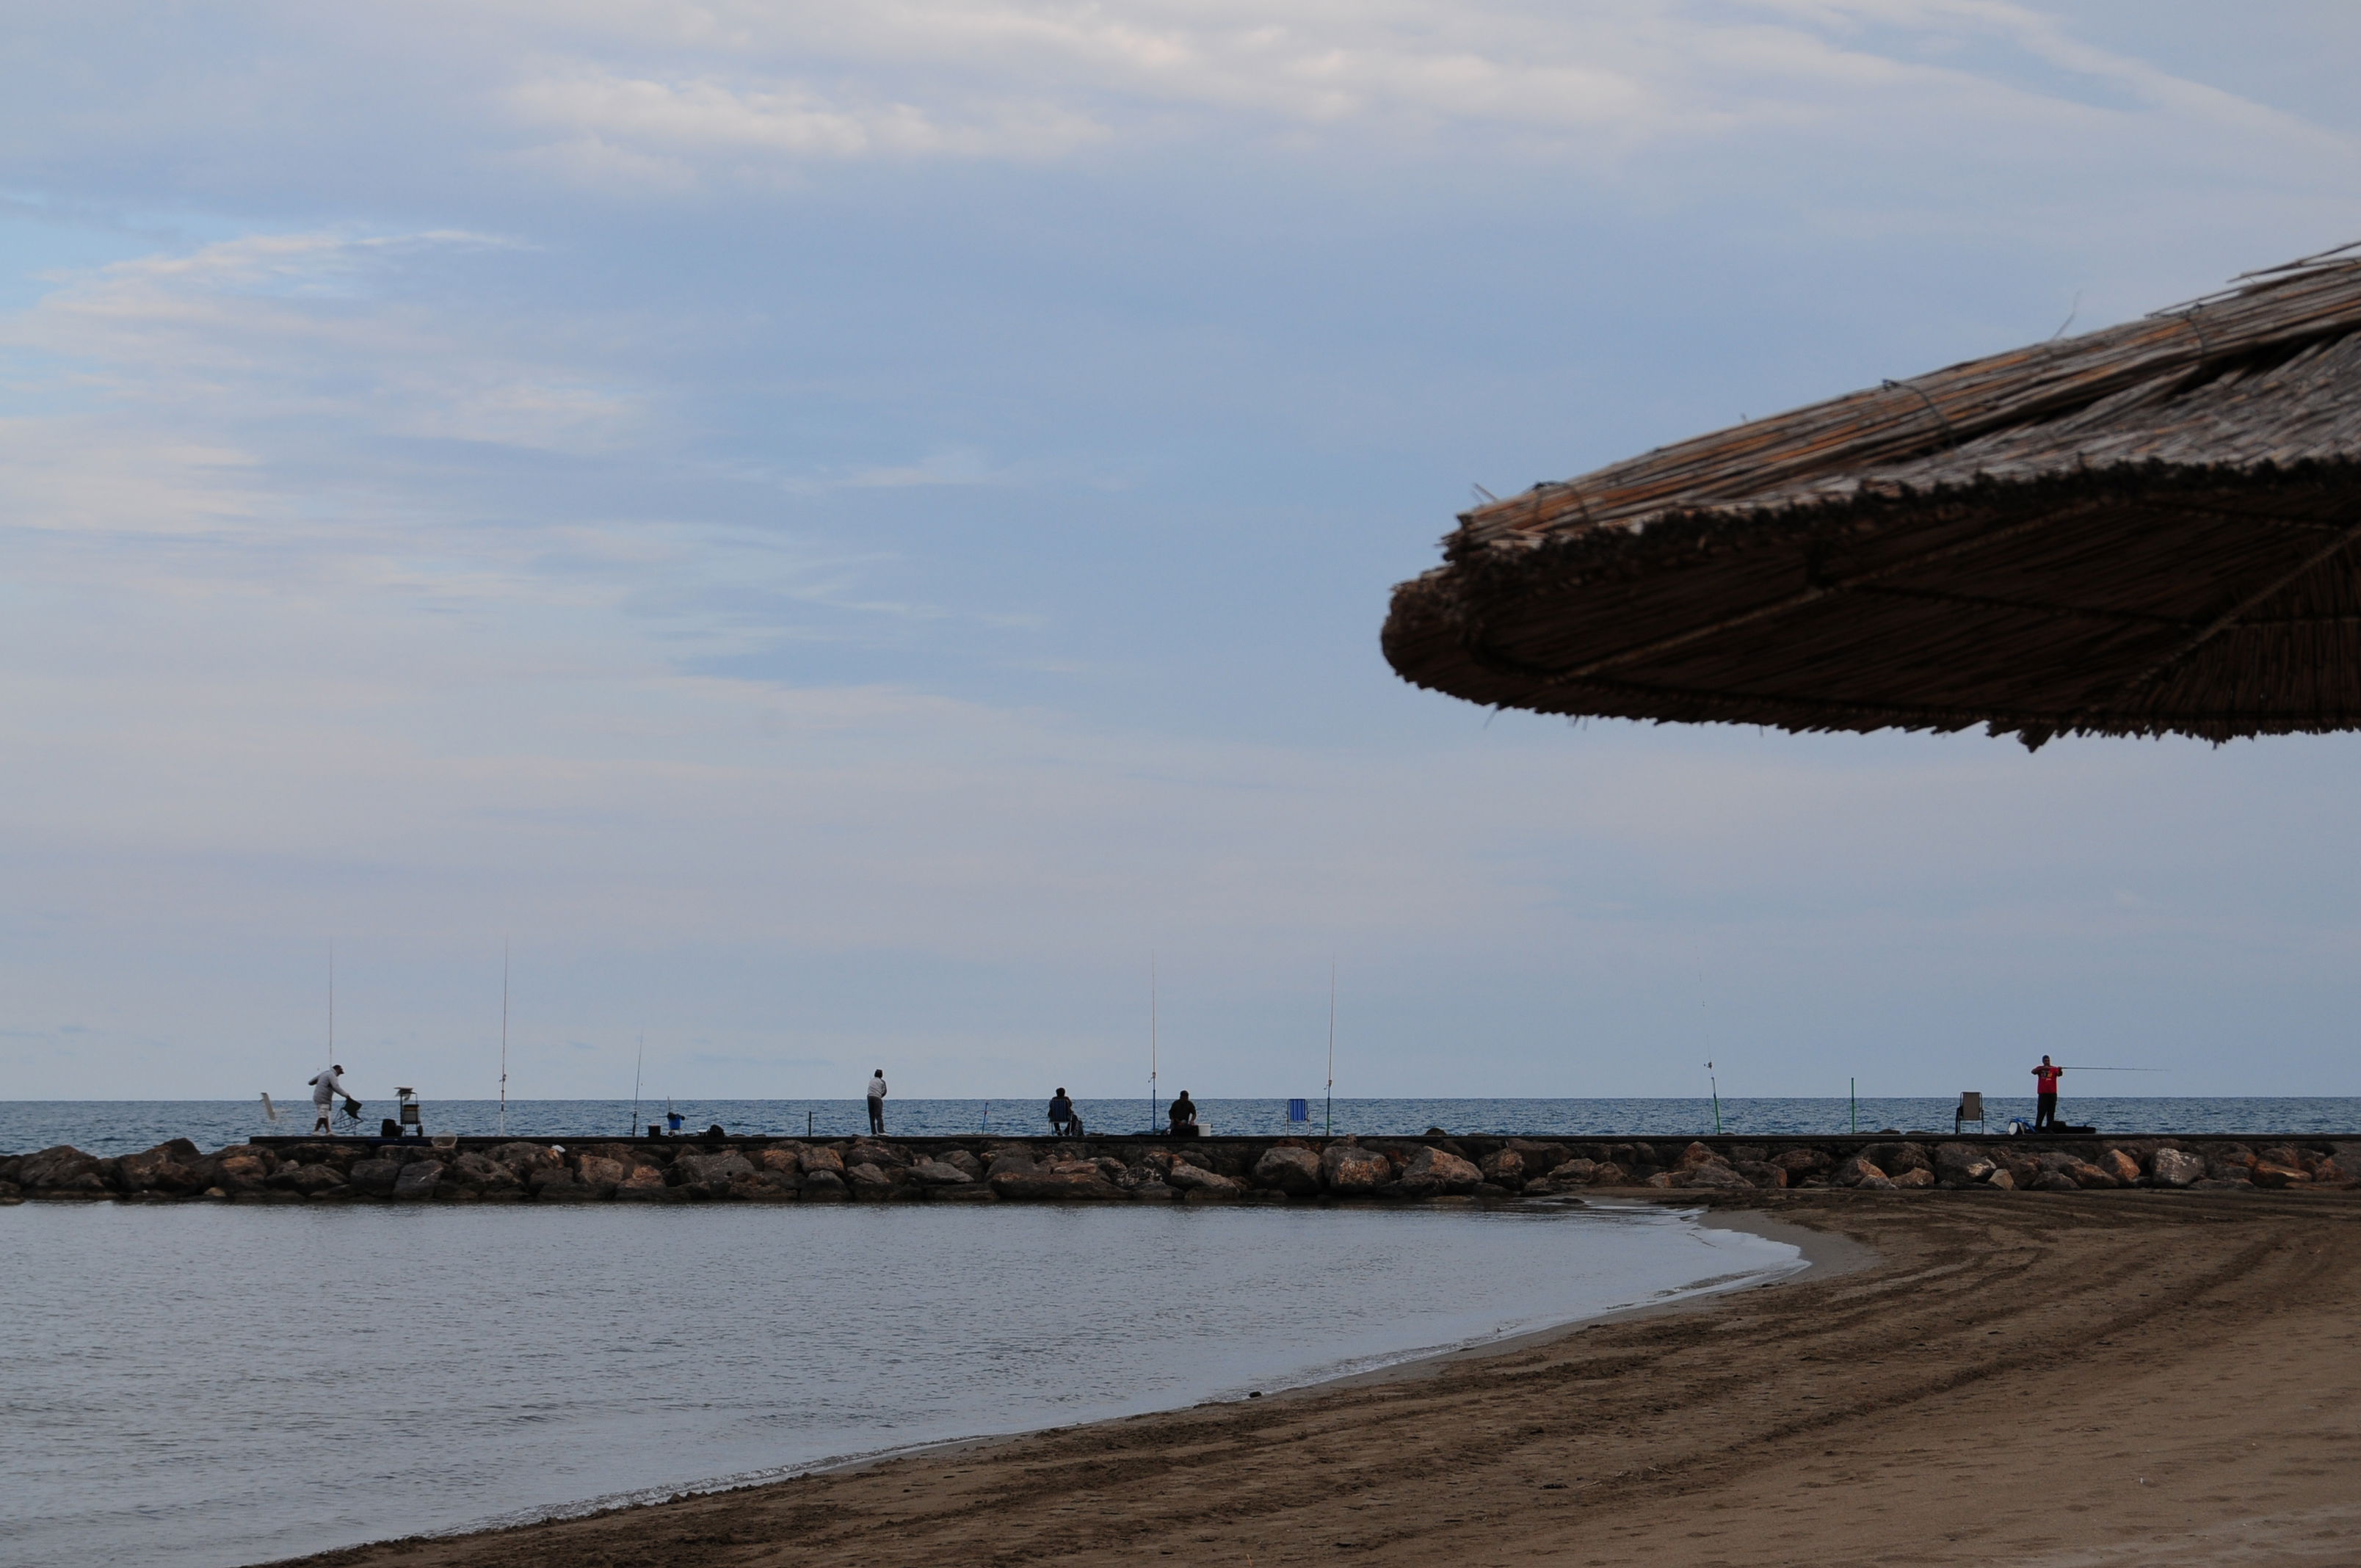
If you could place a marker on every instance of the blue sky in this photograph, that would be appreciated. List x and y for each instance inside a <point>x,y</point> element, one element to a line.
<point>838,532</point>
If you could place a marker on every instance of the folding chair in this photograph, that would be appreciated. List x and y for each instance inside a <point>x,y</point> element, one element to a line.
<point>1972,1109</point>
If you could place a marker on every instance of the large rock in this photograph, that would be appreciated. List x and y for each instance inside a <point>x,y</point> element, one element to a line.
<point>869,1151</point>
<point>1695,1156</point>
<point>1540,1158</point>
<point>63,1171</point>
<point>645,1184</point>
<point>375,1177</point>
<point>308,1180</point>
<point>2085,1174</point>
<point>867,1182</point>
<point>1761,1173</point>
<point>1506,1167</point>
<point>557,1184</point>
<point>1894,1158</point>
<point>169,1168</point>
<point>1296,1172</point>
<point>1917,1176</point>
<point>2002,1179</point>
<point>240,1169</point>
<point>418,1179</point>
<point>1859,1170</point>
<point>600,1174</point>
<point>1055,1186</point>
<point>938,1173</point>
<point>2175,1167</point>
<point>1570,1173</point>
<point>1719,1177</point>
<point>1349,1169</point>
<point>816,1159</point>
<point>709,1174</point>
<point>1962,1162</point>
<point>1196,1180</point>
<point>522,1160</point>
<point>2121,1166</point>
<point>1607,1173</point>
<point>2276,1174</point>
<point>1020,1162</point>
<point>963,1162</point>
<point>824,1187</point>
<point>1799,1162</point>
<point>2056,1182</point>
<point>484,1177</point>
<point>1437,1170</point>
<point>786,1158</point>
<point>2021,1168</point>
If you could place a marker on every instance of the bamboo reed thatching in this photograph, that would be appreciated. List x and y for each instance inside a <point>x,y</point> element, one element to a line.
<point>2149,529</point>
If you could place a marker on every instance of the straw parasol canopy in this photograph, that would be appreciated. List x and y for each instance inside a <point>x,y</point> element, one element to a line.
<point>2151,530</point>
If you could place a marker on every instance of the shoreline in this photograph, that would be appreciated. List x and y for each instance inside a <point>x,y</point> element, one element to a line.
<point>1975,1375</point>
<point>1819,1254</point>
<point>1822,1256</point>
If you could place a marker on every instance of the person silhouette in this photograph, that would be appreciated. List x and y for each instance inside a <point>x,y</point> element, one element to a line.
<point>2045,1099</point>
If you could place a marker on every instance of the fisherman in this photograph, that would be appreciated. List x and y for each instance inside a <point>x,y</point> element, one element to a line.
<point>1184,1116</point>
<point>2045,1102</point>
<point>326,1087</point>
<point>877,1102</point>
<point>1061,1113</point>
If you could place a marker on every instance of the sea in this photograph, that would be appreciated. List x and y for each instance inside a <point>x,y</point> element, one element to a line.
<point>125,1126</point>
<point>203,1386</point>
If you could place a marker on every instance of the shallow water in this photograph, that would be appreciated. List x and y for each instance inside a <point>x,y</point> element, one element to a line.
<point>202,1386</point>
<point>125,1126</point>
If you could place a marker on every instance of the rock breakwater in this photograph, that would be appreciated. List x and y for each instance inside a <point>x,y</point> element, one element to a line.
<point>1130,1169</point>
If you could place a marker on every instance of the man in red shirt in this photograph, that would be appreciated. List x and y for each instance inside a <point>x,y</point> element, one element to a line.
<point>2045,1102</point>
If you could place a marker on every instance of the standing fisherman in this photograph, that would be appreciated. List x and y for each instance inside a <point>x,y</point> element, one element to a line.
<point>2045,1101</point>
<point>326,1087</point>
<point>877,1102</point>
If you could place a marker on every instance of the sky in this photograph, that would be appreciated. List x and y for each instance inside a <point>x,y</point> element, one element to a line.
<point>842,537</point>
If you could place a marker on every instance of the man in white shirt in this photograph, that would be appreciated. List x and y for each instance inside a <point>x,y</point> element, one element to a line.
<point>326,1087</point>
<point>877,1102</point>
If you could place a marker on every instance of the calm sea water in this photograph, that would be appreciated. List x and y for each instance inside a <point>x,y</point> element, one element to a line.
<point>195,1386</point>
<point>124,1126</point>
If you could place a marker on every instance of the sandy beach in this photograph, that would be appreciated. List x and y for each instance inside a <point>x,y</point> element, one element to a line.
<point>2074,1381</point>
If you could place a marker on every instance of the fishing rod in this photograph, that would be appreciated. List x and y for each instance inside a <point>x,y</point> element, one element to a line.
<point>636,1066</point>
<point>1328,1127</point>
<point>504,1036</point>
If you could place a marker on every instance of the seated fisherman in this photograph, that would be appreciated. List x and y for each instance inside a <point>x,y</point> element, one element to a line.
<point>1184,1116</point>
<point>1061,1114</point>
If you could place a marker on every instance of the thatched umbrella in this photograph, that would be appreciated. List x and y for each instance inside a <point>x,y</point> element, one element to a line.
<point>2151,530</point>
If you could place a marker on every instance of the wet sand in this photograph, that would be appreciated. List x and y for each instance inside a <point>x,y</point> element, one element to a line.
<point>2088,1380</point>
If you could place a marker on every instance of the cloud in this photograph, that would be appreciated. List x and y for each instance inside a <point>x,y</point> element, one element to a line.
<point>307,327</point>
<point>1035,79</point>
<point>658,131</point>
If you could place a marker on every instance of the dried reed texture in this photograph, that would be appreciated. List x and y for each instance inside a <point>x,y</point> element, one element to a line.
<point>2148,529</point>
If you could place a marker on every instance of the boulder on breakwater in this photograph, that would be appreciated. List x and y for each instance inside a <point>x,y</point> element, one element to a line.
<point>1133,1170</point>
